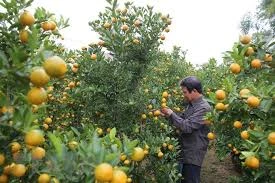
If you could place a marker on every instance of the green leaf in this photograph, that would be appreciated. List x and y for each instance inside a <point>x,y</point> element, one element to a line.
<point>246,154</point>
<point>3,59</point>
<point>113,158</point>
<point>56,141</point>
<point>256,134</point>
<point>113,133</point>
<point>266,104</point>
<point>75,131</point>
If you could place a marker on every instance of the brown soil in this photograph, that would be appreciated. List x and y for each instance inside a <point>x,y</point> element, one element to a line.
<point>216,171</point>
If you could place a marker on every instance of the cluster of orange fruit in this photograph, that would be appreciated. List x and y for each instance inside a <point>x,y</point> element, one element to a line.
<point>26,19</point>
<point>53,67</point>
<point>105,172</point>
<point>255,63</point>
<point>33,139</point>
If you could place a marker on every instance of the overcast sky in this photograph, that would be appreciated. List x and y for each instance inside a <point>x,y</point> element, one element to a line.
<point>205,28</point>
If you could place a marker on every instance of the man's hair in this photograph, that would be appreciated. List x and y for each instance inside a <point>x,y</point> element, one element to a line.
<point>191,83</point>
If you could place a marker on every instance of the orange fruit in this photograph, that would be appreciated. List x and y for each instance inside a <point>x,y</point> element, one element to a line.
<point>245,39</point>
<point>18,170</point>
<point>55,66</point>
<point>129,180</point>
<point>99,131</point>
<point>107,25</point>
<point>34,137</point>
<point>104,172</point>
<point>220,95</point>
<point>143,116</point>
<point>256,64</point>
<point>45,126</point>
<point>108,130</point>
<point>26,18</point>
<point>93,56</point>
<point>74,69</point>
<point>237,124</point>
<point>146,147</point>
<point>268,58</point>
<point>4,178</point>
<point>7,169</point>
<point>44,178</point>
<point>177,109</point>
<point>249,51</point>
<point>55,180</point>
<point>235,68</point>
<point>123,157</point>
<point>162,37</point>
<point>24,36</point>
<point>245,135</point>
<point>38,153</point>
<point>253,101</point>
<point>163,100</point>
<point>150,106</point>
<point>137,154</point>
<point>72,145</point>
<point>160,154</point>
<point>71,84</point>
<point>114,20</point>
<point>156,113</point>
<point>211,136</point>
<point>39,77</point>
<point>271,138</point>
<point>252,162</point>
<point>15,147</point>
<point>124,27</point>
<point>52,25</point>
<point>136,41</point>
<point>168,21</point>
<point>164,95</point>
<point>124,11</point>
<point>2,159</point>
<point>37,95</point>
<point>207,122</point>
<point>167,29</point>
<point>163,105</point>
<point>46,25</point>
<point>48,120</point>
<point>170,147</point>
<point>119,176</point>
<point>126,162</point>
<point>137,23</point>
<point>220,107</point>
<point>146,152</point>
<point>76,65</point>
<point>100,43</point>
<point>244,93</point>
<point>163,17</point>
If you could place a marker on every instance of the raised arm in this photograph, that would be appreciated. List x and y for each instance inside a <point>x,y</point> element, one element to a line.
<point>193,122</point>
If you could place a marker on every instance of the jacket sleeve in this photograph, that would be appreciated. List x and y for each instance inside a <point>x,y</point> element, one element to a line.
<point>193,122</point>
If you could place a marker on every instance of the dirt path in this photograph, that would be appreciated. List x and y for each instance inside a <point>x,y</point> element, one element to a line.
<point>216,171</point>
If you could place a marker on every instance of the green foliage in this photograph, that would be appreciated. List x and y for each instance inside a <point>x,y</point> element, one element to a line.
<point>256,121</point>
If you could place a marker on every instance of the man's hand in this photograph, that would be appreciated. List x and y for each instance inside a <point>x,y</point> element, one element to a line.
<point>166,112</point>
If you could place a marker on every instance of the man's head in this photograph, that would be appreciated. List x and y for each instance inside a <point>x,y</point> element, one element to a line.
<point>191,88</point>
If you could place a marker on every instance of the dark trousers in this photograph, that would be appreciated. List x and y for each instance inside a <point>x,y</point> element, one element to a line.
<point>190,173</point>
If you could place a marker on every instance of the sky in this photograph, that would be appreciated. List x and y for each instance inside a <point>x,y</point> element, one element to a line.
<point>205,28</point>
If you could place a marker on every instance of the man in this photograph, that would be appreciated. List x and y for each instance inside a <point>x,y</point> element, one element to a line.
<point>193,131</point>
